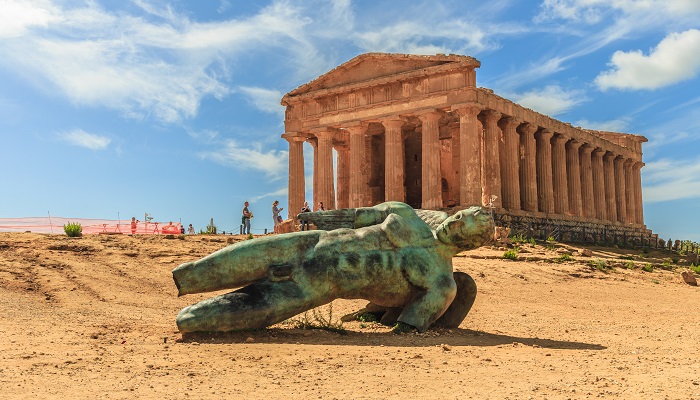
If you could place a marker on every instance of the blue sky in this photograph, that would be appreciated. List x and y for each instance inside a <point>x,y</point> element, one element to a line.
<point>114,108</point>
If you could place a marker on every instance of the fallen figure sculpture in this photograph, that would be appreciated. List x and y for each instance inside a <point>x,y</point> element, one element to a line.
<point>398,258</point>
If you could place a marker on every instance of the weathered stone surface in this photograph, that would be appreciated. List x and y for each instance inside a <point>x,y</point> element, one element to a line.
<point>585,252</point>
<point>418,129</point>
<point>689,278</point>
<point>390,257</point>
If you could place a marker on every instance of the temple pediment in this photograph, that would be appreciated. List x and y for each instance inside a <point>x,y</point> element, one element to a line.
<point>370,66</point>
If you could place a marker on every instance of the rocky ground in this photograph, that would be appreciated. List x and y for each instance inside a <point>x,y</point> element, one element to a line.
<point>94,318</point>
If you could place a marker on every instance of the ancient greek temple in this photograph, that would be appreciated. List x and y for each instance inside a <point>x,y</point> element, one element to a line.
<point>417,129</point>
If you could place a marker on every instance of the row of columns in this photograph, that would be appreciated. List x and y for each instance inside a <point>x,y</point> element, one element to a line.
<point>514,164</point>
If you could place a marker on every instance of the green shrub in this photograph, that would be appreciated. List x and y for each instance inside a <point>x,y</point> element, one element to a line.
<point>249,237</point>
<point>695,268</point>
<point>550,239</point>
<point>511,254</point>
<point>629,265</point>
<point>648,268</point>
<point>600,265</point>
<point>73,229</point>
<point>627,257</point>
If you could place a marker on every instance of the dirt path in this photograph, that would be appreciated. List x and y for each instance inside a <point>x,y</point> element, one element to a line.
<point>94,318</point>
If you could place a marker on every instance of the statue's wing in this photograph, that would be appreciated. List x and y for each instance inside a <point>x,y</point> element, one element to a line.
<point>332,219</point>
<point>431,217</point>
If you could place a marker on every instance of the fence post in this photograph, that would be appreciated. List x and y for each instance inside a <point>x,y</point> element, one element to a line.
<point>240,227</point>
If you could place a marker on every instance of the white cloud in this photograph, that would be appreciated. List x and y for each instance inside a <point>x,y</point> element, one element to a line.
<point>666,180</point>
<point>17,16</point>
<point>593,11</point>
<point>79,137</point>
<point>613,125</point>
<point>273,162</point>
<point>551,100</point>
<point>267,100</point>
<point>143,68</point>
<point>675,59</point>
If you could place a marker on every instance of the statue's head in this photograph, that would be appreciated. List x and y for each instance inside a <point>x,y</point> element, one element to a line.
<point>467,229</point>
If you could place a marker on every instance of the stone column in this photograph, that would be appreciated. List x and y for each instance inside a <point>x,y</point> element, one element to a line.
<point>469,155</point>
<point>561,194</point>
<point>528,167</point>
<point>296,173</point>
<point>492,165</point>
<point>601,211</point>
<point>510,164</point>
<point>620,189</point>
<point>587,199</point>
<point>326,191</point>
<point>610,195</point>
<point>573,174</point>
<point>630,201</point>
<point>393,160</point>
<point>430,165</point>
<point>358,171</point>
<point>343,179</point>
<point>638,192</point>
<point>545,191</point>
<point>313,141</point>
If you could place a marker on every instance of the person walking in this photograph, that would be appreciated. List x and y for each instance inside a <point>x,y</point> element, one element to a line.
<point>305,209</point>
<point>276,215</point>
<point>245,219</point>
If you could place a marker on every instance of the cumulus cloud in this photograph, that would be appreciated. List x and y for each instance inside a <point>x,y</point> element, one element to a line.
<point>267,100</point>
<point>551,100</point>
<point>79,137</point>
<point>271,162</point>
<point>675,59</point>
<point>663,182</point>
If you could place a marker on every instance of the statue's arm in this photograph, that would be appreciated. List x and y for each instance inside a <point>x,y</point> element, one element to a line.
<point>356,217</point>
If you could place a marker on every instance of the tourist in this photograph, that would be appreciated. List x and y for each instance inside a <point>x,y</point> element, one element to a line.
<point>276,214</point>
<point>190,230</point>
<point>245,219</point>
<point>320,206</point>
<point>305,209</point>
<point>134,222</point>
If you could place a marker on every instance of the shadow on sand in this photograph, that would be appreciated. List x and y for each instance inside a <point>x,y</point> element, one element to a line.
<point>452,337</point>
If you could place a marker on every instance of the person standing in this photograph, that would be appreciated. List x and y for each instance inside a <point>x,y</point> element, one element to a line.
<point>276,214</point>
<point>190,230</point>
<point>245,219</point>
<point>305,209</point>
<point>320,206</point>
<point>134,222</point>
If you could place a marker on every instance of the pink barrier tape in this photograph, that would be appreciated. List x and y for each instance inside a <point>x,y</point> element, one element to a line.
<point>90,226</point>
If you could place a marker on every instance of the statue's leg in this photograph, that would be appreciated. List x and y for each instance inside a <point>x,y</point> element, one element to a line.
<point>458,310</point>
<point>255,306</point>
<point>243,262</point>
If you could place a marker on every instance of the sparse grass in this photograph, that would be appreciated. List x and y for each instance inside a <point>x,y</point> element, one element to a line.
<point>511,254</point>
<point>73,229</point>
<point>654,281</point>
<point>562,258</point>
<point>629,265</point>
<point>249,237</point>
<point>667,265</point>
<point>627,257</point>
<point>316,319</point>
<point>648,268</point>
<point>600,265</point>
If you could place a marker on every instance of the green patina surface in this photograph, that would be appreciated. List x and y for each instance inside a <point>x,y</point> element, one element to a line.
<point>387,254</point>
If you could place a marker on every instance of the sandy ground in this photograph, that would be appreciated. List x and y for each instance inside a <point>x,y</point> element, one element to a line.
<point>95,318</point>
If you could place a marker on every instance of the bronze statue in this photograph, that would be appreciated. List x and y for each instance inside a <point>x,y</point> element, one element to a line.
<point>387,254</point>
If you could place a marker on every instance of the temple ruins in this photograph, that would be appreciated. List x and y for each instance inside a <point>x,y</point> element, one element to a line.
<point>417,129</point>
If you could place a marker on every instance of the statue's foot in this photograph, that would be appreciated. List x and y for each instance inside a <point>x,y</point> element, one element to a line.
<point>402,327</point>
